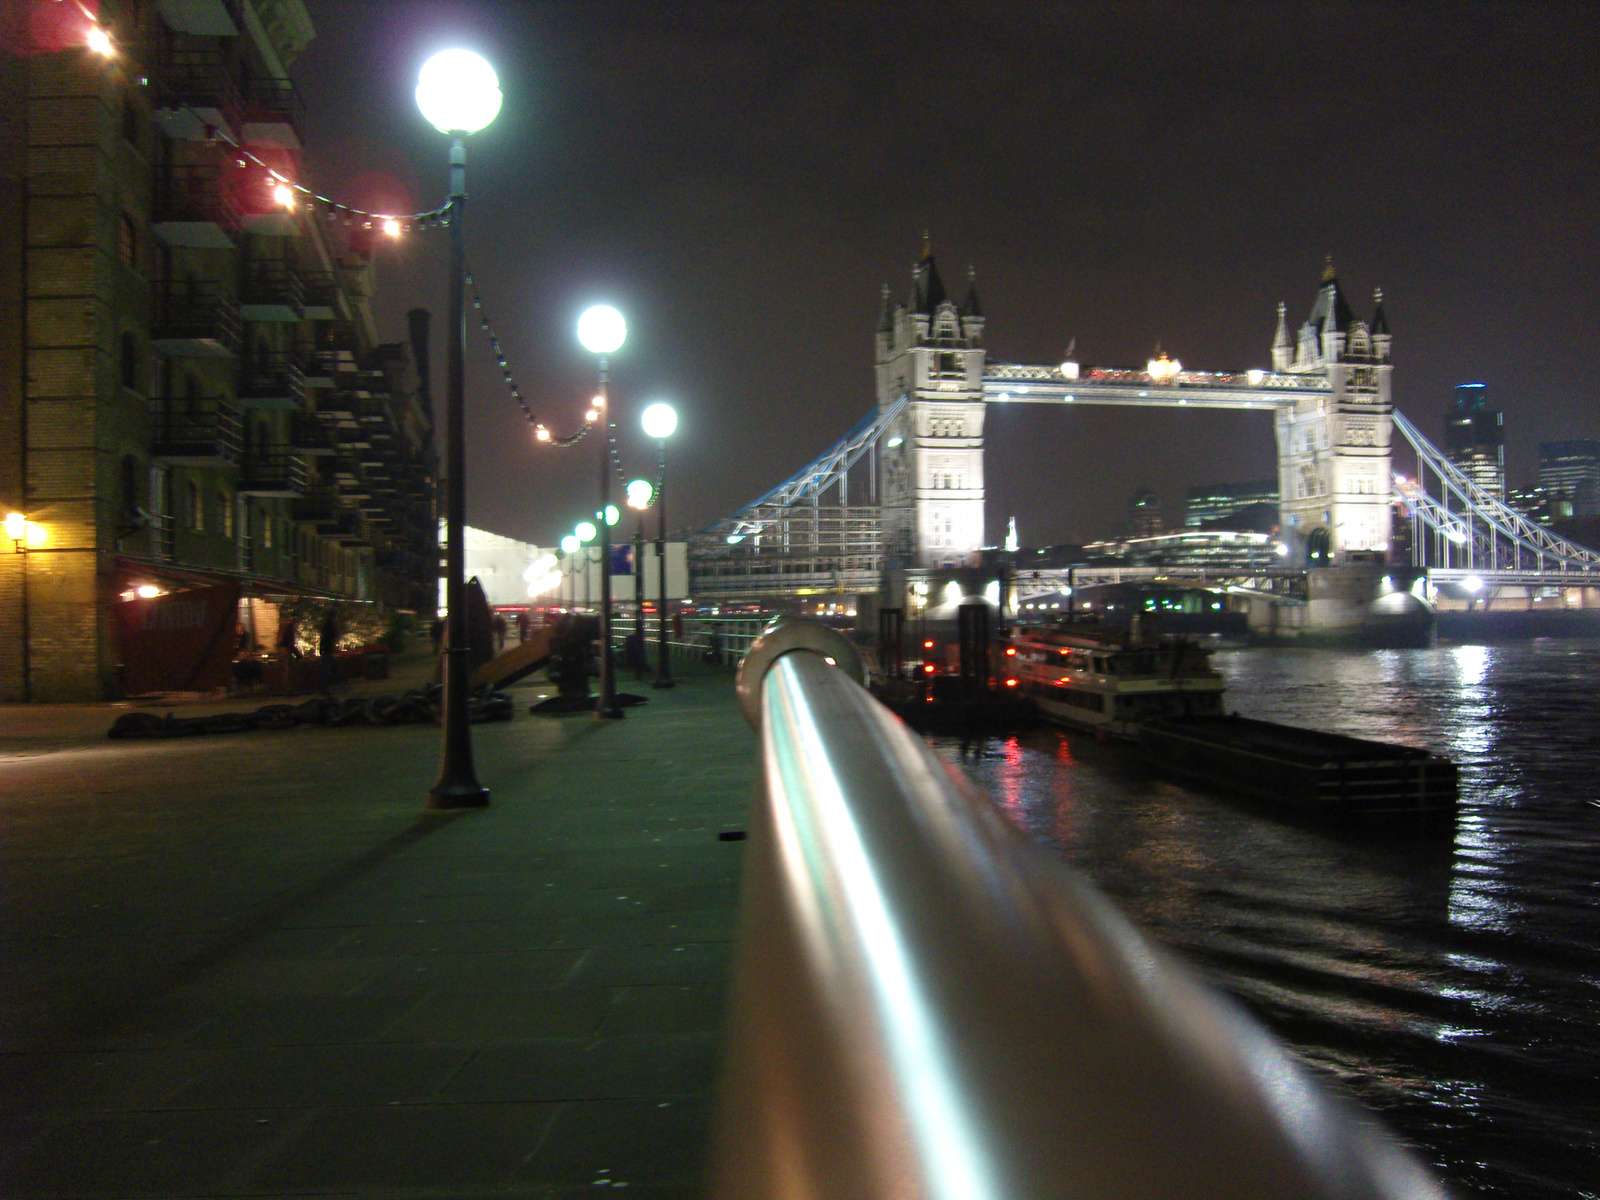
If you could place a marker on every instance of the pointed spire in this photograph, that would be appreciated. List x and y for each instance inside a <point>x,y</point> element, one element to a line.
<point>927,246</point>
<point>928,289</point>
<point>1328,273</point>
<point>970,306</point>
<point>886,313</point>
<point>1380,321</point>
<point>1281,337</point>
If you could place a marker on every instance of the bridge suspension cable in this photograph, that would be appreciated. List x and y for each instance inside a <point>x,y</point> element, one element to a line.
<point>1490,533</point>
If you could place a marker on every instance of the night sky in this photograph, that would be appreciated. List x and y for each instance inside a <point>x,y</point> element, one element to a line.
<point>740,179</point>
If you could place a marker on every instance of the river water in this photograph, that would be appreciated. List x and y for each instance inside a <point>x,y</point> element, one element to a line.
<point>1447,975</point>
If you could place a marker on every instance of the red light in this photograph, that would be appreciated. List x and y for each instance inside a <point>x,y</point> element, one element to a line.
<point>928,668</point>
<point>927,645</point>
<point>1011,683</point>
<point>1010,650</point>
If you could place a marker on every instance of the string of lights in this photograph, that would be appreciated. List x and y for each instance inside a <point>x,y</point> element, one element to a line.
<point>288,193</point>
<point>540,429</point>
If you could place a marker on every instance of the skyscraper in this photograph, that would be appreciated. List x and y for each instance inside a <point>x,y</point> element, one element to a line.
<point>1474,438</point>
<point>1570,470</point>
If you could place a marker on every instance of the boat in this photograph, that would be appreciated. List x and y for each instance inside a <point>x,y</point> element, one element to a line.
<point>1303,768</point>
<point>1111,681</point>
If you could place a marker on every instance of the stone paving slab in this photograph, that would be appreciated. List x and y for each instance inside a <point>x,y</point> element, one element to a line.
<point>253,965</point>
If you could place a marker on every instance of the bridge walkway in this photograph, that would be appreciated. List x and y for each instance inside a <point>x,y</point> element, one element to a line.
<point>252,964</point>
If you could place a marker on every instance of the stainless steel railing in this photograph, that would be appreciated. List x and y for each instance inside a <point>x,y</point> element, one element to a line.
<point>926,1004</point>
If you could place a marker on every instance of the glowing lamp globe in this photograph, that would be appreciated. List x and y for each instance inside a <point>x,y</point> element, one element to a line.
<point>601,329</point>
<point>613,514</point>
<point>660,420</point>
<point>640,493</point>
<point>570,544</point>
<point>586,531</point>
<point>16,526</point>
<point>458,92</point>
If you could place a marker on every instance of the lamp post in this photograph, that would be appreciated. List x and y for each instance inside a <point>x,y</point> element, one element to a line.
<point>602,331</point>
<point>640,494</point>
<point>459,95</point>
<point>660,421</point>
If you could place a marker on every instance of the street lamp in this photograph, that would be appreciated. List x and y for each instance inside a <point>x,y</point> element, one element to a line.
<point>569,547</point>
<point>660,421</point>
<point>640,494</point>
<point>602,331</point>
<point>459,95</point>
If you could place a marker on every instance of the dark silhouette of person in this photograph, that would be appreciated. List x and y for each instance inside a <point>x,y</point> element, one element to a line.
<point>499,627</point>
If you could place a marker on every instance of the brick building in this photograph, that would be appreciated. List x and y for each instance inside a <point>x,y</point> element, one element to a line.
<point>194,392</point>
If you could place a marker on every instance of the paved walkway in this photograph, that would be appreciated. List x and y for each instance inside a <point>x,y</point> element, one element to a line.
<point>252,964</point>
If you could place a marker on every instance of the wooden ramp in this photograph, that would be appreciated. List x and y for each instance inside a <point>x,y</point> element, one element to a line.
<point>516,662</point>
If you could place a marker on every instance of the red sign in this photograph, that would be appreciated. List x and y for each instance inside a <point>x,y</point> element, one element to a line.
<point>180,642</point>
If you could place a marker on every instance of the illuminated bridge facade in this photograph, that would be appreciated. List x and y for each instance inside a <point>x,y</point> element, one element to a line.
<point>905,486</point>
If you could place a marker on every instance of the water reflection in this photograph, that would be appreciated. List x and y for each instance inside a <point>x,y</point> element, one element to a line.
<point>1446,976</point>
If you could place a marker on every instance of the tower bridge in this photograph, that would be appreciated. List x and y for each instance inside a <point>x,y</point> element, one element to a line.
<point>917,500</point>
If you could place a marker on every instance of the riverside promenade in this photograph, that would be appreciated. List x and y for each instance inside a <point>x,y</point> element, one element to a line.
<point>253,964</point>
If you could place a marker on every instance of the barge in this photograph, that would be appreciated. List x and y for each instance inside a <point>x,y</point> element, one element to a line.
<point>1327,773</point>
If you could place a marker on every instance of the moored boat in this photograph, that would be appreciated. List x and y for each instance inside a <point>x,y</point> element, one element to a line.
<point>1112,681</point>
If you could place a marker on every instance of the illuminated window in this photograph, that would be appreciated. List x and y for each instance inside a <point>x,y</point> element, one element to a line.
<point>127,242</point>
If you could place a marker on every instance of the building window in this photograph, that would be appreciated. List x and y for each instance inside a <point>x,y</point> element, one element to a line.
<point>130,485</point>
<point>225,510</point>
<point>128,362</point>
<point>127,242</point>
<point>197,511</point>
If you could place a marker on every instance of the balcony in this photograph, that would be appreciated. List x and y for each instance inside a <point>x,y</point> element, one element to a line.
<point>311,435</point>
<point>274,472</point>
<point>269,290</point>
<point>273,112</point>
<point>271,379</point>
<point>333,518</point>
<point>324,369</point>
<point>195,206</point>
<point>196,95</point>
<point>196,321</point>
<point>204,18</point>
<point>318,291</point>
<point>195,433</point>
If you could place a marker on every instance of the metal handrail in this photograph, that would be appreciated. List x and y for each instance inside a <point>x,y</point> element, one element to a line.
<point>926,1004</point>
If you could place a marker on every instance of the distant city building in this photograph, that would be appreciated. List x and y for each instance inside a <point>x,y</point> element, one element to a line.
<point>1212,502</point>
<point>1144,515</point>
<point>1540,505</point>
<point>1571,470</point>
<point>1474,438</point>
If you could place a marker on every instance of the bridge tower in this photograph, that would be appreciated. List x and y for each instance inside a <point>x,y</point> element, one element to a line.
<point>1333,446</point>
<point>930,350</point>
